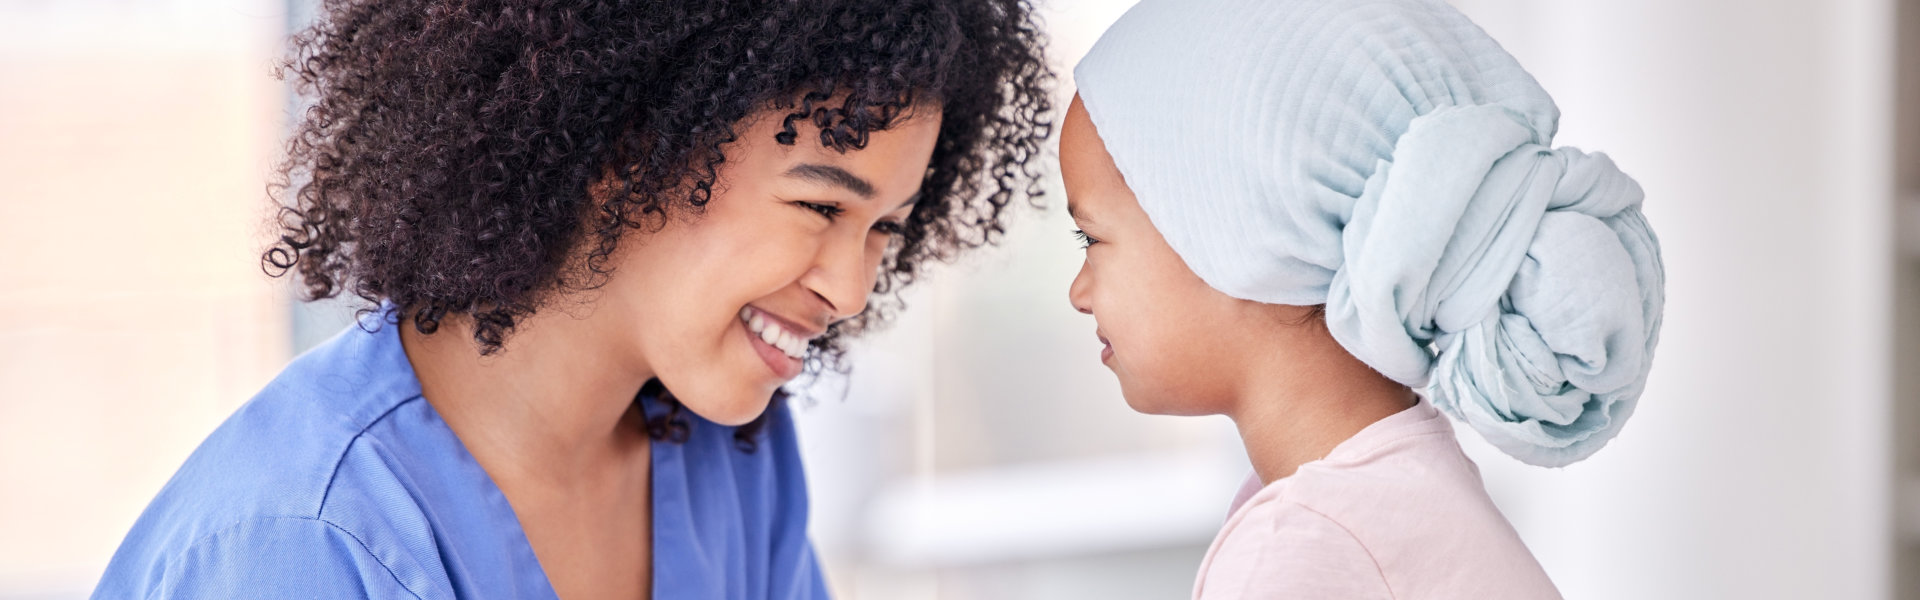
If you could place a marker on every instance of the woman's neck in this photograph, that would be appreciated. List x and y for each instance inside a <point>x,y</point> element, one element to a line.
<point>1294,408</point>
<point>552,404</point>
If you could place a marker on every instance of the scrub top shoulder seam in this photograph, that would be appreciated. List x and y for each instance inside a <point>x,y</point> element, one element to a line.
<point>320,508</point>
<point>203,540</point>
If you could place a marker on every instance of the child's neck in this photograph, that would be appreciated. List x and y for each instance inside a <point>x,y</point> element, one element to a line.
<point>1296,412</point>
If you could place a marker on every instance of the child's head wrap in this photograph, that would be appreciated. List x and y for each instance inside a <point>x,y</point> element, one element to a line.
<point>1388,159</point>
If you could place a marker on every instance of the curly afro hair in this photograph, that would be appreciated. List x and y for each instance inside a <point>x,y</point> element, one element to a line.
<point>445,161</point>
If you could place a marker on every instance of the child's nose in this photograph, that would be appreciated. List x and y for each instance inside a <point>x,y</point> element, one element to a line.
<point>1077,292</point>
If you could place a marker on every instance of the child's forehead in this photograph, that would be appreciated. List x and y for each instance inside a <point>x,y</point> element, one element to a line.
<point>1086,166</point>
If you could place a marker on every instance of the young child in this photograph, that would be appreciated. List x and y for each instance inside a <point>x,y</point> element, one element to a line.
<point>1299,212</point>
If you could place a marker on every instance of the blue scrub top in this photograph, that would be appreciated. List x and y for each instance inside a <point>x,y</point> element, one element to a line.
<point>340,481</point>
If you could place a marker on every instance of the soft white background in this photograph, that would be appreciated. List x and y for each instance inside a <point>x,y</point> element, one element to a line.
<point>980,451</point>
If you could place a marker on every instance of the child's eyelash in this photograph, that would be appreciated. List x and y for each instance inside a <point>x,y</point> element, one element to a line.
<point>890,227</point>
<point>1085,240</point>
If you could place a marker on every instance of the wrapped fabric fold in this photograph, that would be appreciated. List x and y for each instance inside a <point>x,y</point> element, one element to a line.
<point>1388,159</point>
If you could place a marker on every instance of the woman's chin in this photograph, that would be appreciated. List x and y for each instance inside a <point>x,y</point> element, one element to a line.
<point>732,408</point>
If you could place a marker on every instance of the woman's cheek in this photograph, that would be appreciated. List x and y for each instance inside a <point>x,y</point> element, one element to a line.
<point>770,252</point>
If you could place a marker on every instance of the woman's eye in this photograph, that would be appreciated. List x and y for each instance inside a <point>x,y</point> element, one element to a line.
<point>825,210</point>
<point>1085,240</point>
<point>893,228</point>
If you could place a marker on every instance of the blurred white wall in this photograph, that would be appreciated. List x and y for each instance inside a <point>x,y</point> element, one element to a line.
<point>134,140</point>
<point>1758,463</point>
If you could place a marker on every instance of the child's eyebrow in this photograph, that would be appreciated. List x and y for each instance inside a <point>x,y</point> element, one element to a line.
<point>1075,214</point>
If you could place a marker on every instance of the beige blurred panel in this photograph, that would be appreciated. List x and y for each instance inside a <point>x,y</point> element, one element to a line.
<point>131,206</point>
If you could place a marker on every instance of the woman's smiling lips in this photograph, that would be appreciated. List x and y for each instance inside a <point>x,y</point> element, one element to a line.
<point>778,341</point>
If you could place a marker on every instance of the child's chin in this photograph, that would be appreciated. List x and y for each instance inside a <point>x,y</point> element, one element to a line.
<point>1160,404</point>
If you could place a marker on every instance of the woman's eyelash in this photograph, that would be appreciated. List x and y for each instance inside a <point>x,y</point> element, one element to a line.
<point>1085,240</point>
<point>825,210</point>
<point>830,212</point>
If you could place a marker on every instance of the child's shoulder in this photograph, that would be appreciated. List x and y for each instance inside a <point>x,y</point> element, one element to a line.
<point>1406,456</point>
<point>1275,548</point>
<point>1399,476</point>
<point>1404,496</point>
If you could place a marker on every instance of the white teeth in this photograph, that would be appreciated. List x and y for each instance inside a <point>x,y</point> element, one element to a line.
<point>773,334</point>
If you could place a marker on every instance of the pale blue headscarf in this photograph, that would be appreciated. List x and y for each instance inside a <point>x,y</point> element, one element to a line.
<point>1388,159</point>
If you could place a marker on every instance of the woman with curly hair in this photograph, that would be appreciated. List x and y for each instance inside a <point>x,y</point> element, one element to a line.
<point>597,239</point>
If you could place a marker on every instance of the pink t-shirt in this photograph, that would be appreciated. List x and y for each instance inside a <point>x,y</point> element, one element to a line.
<point>1397,511</point>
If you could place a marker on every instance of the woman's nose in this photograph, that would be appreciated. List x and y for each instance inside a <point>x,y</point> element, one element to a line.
<point>843,276</point>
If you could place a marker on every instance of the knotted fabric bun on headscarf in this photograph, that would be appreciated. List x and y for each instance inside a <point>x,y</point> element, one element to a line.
<point>1388,159</point>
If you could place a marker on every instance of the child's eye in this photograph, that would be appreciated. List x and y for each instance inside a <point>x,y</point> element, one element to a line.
<point>893,228</point>
<point>1085,240</point>
<point>825,210</point>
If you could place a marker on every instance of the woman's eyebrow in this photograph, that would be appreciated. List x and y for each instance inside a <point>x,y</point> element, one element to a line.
<point>910,202</point>
<point>834,176</point>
